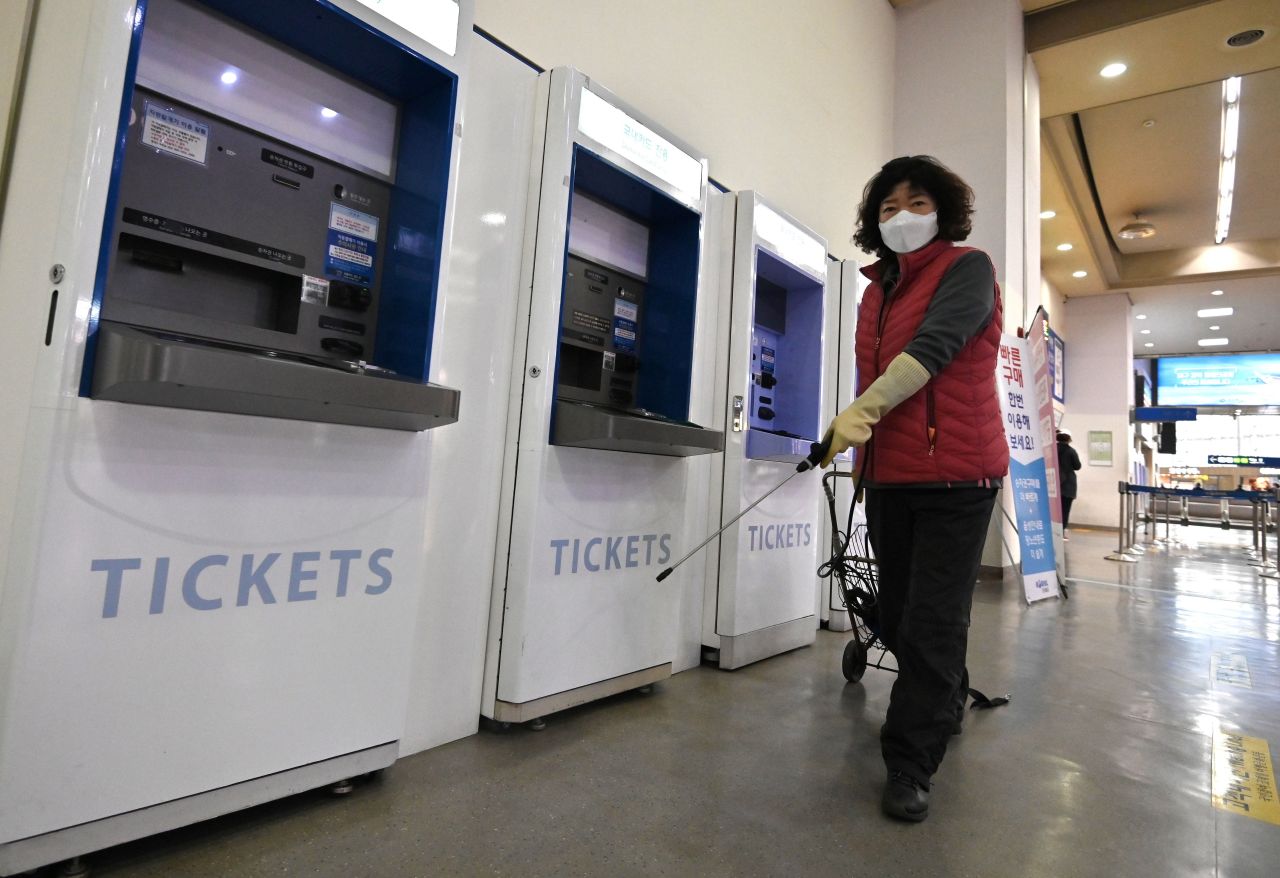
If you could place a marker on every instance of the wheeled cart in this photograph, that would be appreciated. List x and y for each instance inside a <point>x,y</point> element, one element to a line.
<point>853,572</point>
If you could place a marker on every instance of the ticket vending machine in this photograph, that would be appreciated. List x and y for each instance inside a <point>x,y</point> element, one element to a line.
<point>225,231</point>
<point>763,601</point>
<point>610,397</point>
<point>845,284</point>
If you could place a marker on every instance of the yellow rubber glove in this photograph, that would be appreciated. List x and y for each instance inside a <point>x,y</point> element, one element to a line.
<point>852,427</point>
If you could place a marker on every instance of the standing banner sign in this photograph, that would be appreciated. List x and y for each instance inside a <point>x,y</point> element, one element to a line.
<point>1028,476</point>
<point>1039,343</point>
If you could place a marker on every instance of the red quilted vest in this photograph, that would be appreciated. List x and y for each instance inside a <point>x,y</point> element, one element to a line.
<point>951,430</point>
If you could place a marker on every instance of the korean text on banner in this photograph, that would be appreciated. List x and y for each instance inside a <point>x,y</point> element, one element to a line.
<point>1039,344</point>
<point>1028,476</point>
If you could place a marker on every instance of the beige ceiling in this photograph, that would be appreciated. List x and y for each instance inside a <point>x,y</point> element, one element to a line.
<point>1101,164</point>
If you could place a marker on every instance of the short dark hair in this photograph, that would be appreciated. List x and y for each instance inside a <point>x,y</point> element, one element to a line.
<point>952,195</point>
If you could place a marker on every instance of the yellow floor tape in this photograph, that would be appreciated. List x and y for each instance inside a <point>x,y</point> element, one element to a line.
<point>1243,779</point>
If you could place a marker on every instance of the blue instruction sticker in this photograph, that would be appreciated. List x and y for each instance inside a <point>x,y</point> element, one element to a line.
<point>767,359</point>
<point>624,334</point>
<point>349,258</point>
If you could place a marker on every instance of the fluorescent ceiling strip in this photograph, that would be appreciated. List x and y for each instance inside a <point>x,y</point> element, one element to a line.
<point>1230,141</point>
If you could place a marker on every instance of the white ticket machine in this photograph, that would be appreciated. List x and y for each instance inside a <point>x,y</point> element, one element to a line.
<point>611,398</point>
<point>845,284</point>
<point>762,601</point>
<point>224,236</point>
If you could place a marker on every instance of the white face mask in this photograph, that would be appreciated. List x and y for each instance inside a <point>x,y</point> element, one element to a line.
<point>906,231</point>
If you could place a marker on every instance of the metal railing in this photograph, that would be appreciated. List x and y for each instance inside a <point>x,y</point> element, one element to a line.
<point>1136,497</point>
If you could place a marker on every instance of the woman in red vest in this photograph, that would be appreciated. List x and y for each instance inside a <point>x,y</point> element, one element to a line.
<point>928,414</point>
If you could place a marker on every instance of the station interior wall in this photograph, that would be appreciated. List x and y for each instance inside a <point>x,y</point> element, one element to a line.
<point>1100,343</point>
<point>807,125</point>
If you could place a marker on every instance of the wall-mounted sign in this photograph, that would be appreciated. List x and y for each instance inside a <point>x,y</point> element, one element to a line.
<point>1242,460</point>
<point>1057,367</point>
<point>794,245</point>
<point>435,21</point>
<point>612,128</point>
<point>1100,448</point>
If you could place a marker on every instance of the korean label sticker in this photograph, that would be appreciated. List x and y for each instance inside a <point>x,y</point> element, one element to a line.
<point>767,359</point>
<point>353,222</point>
<point>177,135</point>
<point>626,310</point>
<point>315,290</point>
<point>610,361</point>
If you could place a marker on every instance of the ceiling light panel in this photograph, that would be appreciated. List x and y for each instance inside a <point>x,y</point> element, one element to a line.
<point>1215,312</point>
<point>1213,342</point>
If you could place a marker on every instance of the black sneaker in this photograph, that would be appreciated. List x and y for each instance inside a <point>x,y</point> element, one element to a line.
<point>905,798</point>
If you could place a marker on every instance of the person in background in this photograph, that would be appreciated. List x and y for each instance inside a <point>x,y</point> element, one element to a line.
<point>928,414</point>
<point>1068,463</point>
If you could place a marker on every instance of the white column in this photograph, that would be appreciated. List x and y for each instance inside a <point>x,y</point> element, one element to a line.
<point>966,93</point>
<point>1099,352</point>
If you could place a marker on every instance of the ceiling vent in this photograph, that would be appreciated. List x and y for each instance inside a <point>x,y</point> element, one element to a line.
<point>1136,230</point>
<point>1245,38</point>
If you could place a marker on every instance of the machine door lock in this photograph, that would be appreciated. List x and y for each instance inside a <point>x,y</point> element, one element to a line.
<point>739,419</point>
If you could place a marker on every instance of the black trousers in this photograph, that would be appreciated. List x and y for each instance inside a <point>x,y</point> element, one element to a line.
<point>929,546</point>
<point>1066,511</point>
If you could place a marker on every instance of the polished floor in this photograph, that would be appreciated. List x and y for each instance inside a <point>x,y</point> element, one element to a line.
<point>1101,765</point>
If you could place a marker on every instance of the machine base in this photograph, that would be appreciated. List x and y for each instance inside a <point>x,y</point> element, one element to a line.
<point>743,649</point>
<point>62,844</point>
<point>510,712</point>
<point>839,621</point>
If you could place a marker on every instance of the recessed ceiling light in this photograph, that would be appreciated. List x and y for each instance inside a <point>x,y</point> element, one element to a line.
<point>1215,328</point>
<point>1149,344</point>
<point>1216,293</point>
<point>1048,214</point>
<point>1215,312</point>
<point>1148,123</point>
<point>1113,69</point>
<point>1079,274</point>
<point>1064,247</point>
<point>1139,316</point>
<point>327,113</point>
<point>1146,332</point>
<point>229,77</point>
<point>1213,342</point>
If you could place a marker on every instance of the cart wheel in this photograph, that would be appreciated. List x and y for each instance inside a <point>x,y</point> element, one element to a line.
<point>854,663</point>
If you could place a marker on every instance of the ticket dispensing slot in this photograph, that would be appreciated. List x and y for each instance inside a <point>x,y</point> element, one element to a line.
<point>625,357</point>
<point>274,234</point>
<point>786,361</point>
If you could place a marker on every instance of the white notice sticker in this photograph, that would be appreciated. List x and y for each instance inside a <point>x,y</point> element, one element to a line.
<point>177,135</point>
<point>610,361</point>
<point>627,310</point>
<point>350,256</point>
<point>315,290</point>
<point>353,222</point>
<point>1231,668</point>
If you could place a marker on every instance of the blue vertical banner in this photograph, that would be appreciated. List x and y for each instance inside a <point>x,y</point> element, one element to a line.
<point>1020,404</point>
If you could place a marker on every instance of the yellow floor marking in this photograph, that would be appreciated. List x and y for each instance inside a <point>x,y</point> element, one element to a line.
<point>1231,668</point>
<point>1243,779</point>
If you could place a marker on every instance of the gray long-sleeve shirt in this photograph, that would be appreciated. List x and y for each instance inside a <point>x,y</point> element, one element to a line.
<point>960,309</point>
